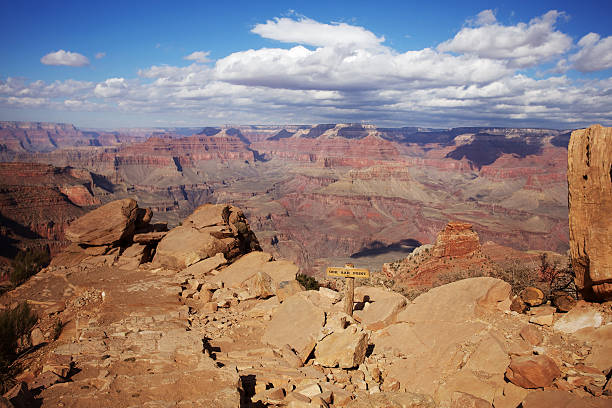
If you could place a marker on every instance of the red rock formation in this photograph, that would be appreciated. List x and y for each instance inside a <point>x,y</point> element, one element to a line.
<point>332,151</point>
<point>589,177</point>
<point>457,252</point>
<point>458,239</point>
<point>186,151</point>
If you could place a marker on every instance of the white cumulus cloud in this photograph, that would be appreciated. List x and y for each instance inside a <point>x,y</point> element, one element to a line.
<point>311,32</point>
<point>61,57</point>
<point>112,87</point>
<point>522,45</point>
<point>595,53</point>
<point>198,56</point>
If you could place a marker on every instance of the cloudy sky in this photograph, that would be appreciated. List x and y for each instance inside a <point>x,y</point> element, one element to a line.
<point>111,63</point>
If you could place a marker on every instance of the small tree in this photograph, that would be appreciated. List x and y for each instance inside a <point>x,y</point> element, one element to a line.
<point>308,282</point>
<point>28,263</point>
<point>14,323</point>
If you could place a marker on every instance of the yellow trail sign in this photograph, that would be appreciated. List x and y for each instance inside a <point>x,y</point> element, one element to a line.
<point>348,272</point>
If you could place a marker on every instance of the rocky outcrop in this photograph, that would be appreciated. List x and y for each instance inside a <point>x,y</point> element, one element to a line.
<point>107,225</point>
<point>456,252</point>
<point>297,322</point>
<point>209,230</point>
<point>457,239</point>
<point>589,178</point>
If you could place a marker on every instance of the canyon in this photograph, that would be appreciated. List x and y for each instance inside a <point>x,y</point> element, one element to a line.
<point>322,194</point>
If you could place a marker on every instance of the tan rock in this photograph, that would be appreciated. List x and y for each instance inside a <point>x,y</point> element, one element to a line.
<point>184,246</point>
<point>590,204</point>
<point>334,296</point>
<point>108,224</point>
<point>511,397</point>
<point>290,357</point>
<point>260,285</point>
<point>210,307</point>
<point>149,237</point>
<point>532,371</point>
<point>247,266</point>
<point>208,215</point>
<point>532,296</point>
<point>36,337</point>
<point>392,400</point>
<point>309,390</point>
<point>601,340</point>
<point>284,289</point>
<point>518,305</point>
<point>455,302</point>
<point>382,311</point>
<point>296,322</point>
<point>340,397</point>
<point>531,334</point>
<point>133,256</point>
<point>489,357</point>
<point>201,268</point>
<point>468,382</point>
<point>561,399</point>
<point>564,302</point>
<point>344,348</point>
<point>580,317</point>
<point>543,315</point>
<point>463,400</point>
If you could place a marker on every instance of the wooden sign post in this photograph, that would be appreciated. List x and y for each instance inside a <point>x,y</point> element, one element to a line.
<point>349,272</point>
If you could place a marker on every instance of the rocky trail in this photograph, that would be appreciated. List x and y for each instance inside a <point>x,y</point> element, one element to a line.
<point>210,327</point>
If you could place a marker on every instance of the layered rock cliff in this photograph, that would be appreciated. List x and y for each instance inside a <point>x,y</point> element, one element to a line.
<point>38,201</point>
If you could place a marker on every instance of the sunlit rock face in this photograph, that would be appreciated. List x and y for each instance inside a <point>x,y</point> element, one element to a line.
<point>589,178</point>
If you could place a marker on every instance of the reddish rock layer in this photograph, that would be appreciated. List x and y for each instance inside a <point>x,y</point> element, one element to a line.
<point>38,201</point>
<point>458,239</point>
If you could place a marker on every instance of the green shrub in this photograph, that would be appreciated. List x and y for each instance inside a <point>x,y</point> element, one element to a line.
<point>14,323</point>
<point>28,263</point>
<point>308,282</point>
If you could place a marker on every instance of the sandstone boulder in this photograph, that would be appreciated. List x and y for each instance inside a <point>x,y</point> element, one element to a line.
<point>201,268</point>
<point>105,225</point>
<point>457,301</point>
<point>184,246</point>
<point>531,334</point>
<point>601,340</point>
<point>343,348</point>
<point>578,318</point>
<point>285,289</point>
<point>243,270</point>
<point>532,371</point>
<point>296,322</point>
<point>209,230</point>
<point>133,256</point>
<point>589,179</point>
<point>563,302</point>
<point>381,308</point>
<point>532,296</point>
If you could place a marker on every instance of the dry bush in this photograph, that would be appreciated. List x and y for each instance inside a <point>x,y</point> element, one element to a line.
<point>14,324</point>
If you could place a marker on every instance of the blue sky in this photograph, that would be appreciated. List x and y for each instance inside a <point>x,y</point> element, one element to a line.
<point>117,64</point>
